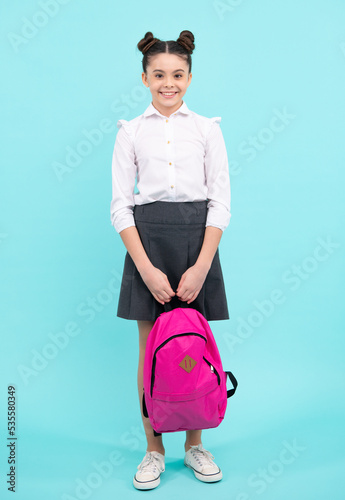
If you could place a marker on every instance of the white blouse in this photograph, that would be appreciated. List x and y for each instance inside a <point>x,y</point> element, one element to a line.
<point>178,158</point>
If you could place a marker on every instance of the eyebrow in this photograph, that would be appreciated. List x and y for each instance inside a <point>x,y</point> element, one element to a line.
<point>163,71</point>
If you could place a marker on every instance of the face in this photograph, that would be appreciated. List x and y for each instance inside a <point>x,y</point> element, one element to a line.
<point>168,79</point>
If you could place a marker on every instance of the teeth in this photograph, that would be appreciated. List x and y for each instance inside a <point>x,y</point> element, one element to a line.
<point>168,93</point>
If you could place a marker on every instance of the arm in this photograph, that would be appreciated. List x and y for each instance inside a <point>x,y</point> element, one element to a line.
<point>124,172</point>
<point>193,279</point>
<point>218,212</point>
<point>209,247</point>
<point>121,208</point>
<point>217,178</point>
<point>156,281</point>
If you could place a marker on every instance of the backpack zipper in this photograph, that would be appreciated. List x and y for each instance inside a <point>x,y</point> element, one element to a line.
<point>162,345</point>
<point>212,369</point>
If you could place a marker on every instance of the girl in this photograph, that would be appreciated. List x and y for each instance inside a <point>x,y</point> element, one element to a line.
<point>172,224</point>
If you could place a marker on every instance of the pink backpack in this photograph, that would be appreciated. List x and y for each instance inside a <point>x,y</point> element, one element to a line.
<point>184,381</point>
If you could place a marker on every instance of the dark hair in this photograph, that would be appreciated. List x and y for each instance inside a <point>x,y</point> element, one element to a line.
<point>183,47</point>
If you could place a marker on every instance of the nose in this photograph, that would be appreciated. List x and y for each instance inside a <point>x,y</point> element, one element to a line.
<point>168,83</point>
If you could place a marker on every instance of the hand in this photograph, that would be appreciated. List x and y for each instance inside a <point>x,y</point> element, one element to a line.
<point>158,284</point>
<point>191,283</point>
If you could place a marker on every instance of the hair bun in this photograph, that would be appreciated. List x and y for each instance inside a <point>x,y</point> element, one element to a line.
<point>186,39</point>
<point>146,43</point>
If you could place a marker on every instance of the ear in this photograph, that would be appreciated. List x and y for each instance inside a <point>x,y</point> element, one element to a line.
<point>144,79</point>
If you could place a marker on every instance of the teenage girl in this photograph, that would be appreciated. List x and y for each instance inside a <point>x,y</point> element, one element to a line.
<point>172,223</point>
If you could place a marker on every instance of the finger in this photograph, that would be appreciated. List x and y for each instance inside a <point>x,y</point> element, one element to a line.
<point>193,297</point>
<point>184,296</point>
<point>160,301</point>
<point>171,292</point>
<point>182,290</point>
<point>187,292</point>
<point>166,296</point>
<point>168,289</point>
<point>180,285</point>
<point>158,298</point>
<point>189,295</point>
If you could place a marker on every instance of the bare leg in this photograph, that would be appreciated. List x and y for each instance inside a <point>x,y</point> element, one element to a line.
<point>193,438</point>
<point>154,443</point>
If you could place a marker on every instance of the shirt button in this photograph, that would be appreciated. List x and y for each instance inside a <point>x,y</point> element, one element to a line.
<point>166,121</point>
<point>168,142</point>
<point>172,187</point>
<point>170,163</point>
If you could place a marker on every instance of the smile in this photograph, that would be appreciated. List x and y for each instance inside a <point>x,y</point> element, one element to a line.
<point>168,95</point>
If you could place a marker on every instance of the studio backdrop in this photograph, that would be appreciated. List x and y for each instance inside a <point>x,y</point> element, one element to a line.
<point>274,71</point>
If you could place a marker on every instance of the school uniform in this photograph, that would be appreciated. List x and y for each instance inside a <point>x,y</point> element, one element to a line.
<point>180,167</point>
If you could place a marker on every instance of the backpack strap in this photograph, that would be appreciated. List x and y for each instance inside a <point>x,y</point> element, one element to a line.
<point>146,415</point>
<point>231,392</point>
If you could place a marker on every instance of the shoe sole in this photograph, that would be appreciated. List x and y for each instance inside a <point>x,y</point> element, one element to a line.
<point>147,485</point>
<point>211,478</point>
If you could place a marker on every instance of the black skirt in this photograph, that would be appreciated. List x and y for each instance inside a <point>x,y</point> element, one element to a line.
<point>172,235</point>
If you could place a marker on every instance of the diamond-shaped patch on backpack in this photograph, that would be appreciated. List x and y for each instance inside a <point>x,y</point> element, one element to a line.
<point>187,363</point>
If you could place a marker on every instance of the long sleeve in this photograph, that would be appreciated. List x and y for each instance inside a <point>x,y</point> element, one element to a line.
<point>217,178</point>
<point>123,179</point>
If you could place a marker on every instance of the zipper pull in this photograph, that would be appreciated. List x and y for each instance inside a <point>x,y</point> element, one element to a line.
<point>212,369</point>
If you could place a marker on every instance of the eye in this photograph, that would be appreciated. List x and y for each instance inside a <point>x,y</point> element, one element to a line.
<point>178,75</point>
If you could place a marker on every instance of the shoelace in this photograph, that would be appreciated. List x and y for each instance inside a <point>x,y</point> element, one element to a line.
<point>202,456</point>
<point>151,463</point>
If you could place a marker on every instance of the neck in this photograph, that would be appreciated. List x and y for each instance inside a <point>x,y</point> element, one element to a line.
<point>167,111</point>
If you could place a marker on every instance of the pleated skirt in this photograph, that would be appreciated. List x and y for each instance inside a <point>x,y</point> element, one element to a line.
<point>172,235</point>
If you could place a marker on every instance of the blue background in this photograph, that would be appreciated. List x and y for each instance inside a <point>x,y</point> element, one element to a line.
<point>77,69</point>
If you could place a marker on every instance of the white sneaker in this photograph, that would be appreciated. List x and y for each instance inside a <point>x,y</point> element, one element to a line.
<point>149,471</point>
<point>201,462</point>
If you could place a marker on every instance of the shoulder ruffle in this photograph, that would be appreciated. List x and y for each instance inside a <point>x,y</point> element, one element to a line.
<point>216,119</point>
<point>126,125</point>
<point>210,124</point>
<point>122,122</point>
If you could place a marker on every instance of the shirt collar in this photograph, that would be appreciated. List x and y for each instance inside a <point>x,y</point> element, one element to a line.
<point>150,110</point>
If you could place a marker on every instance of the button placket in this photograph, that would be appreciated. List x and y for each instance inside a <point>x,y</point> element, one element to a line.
<point>170,159</point>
